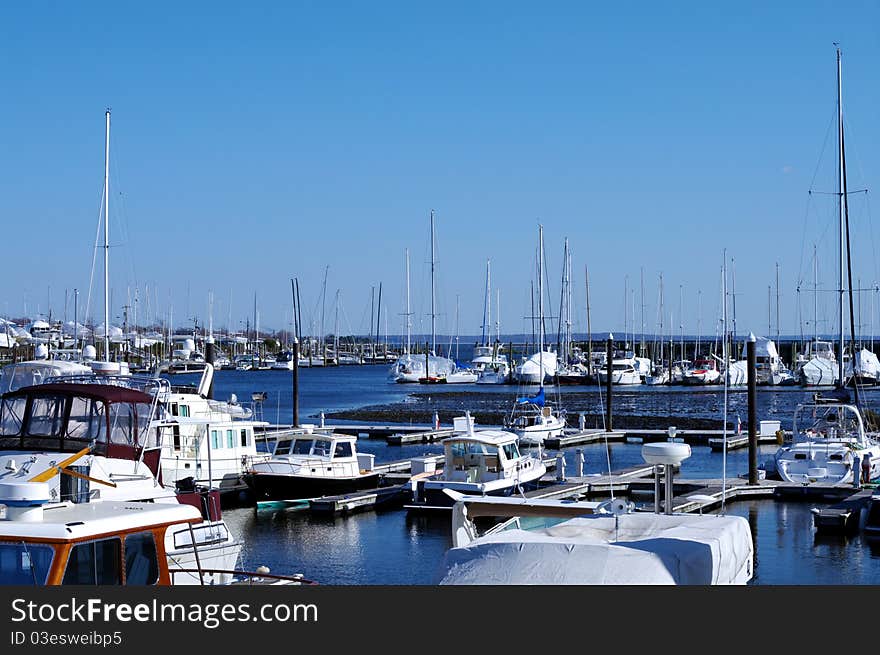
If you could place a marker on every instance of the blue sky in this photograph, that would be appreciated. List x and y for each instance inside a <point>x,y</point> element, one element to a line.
<point>256,142</point>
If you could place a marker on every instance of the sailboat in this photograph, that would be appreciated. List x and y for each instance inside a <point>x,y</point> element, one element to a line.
<point>489,364</point>
<point>427,368</point>
<point>832,442</point>
<point>532,417</point>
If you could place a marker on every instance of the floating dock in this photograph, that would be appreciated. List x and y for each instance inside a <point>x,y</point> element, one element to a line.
<point>845,516</point>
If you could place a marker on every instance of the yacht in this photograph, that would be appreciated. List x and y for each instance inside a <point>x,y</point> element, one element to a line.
<point>477,463</point>
<point>310,465</point>
<point>553,542</point>
<point>623,371</point>
<point>828,436</point>
<point>530,370</point>
<point>210,441</point>
<point>819,366</point>
<point>490,365</point>
<point>705,371</point>
<point>412,368</point>
<point>103,427</point>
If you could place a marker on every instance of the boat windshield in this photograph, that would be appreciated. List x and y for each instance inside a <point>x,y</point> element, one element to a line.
<point>834,422</point>
<point>24,563</point>
<point>511,451</point>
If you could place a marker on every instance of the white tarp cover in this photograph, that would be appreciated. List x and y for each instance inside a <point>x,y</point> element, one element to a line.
<point>650,549</point>
<point>764,347</point>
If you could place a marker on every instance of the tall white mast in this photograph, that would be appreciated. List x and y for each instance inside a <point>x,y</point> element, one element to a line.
<point>408,313</point>
<point>498,315</point>
<point>107,238</point>
<point>841,226</point>
<point>541,304</point>
<point>433,315</point>
<point>487,308</point>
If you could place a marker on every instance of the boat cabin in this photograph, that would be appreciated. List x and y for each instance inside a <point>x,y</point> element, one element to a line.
<point>483,456</point>
<point>106,543</point>
<point>829,421</point>
<point>319,453</point>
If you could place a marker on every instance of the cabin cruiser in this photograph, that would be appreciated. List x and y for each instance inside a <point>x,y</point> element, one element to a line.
<point>552,542</point>
<point>705,371</point>
<point>490,365</point>
<point>819,367</point>
<point>211,441</point>
<point>770,370</point>
<point>283,361</point>
<point>311,465</point>
<point>103,427</point>
<point>623,371</point>
<point>533,420</point>
<point>477,463</point>
<point>830,444</point>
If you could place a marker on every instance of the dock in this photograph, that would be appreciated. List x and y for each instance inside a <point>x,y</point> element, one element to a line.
<point>424,436</point>
<point>845,516</point>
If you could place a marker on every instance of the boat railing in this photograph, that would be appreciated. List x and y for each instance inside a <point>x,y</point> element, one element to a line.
<point>250,577</point>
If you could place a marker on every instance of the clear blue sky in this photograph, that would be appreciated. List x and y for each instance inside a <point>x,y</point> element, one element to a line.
<point>254,142</point>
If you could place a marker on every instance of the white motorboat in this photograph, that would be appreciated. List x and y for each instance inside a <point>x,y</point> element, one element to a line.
<point>478,463</point>
<point>553,542</point>
<point>623,371</point>
<point>705,371</point>
<point>819,366</point>
<point>208,440</point>
<point>830,444</point>
<point>489,364</point>
<point>411,368</point>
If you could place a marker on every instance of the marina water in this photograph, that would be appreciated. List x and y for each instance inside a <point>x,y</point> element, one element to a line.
<point>396,548</point>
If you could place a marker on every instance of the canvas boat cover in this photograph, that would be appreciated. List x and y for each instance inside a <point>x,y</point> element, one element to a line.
<point>649,549</point>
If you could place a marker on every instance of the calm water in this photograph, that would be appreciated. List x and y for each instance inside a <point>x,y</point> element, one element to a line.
<point>396,548</point>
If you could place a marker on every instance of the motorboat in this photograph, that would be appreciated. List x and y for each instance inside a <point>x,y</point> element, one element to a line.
<point>623,372</point>
<point>769,367</point>
<point>283,361</point>
<point>45,541</point>
<point>310,465</point>
<point>819,366</point>
<point>102,427</point>
<point>489,364</point>
<point>483,462</point>
<point>705,371</point>
<point>830,445</point>
<point>411,368</point>
<point>210,441</point>
<point>554,542</point>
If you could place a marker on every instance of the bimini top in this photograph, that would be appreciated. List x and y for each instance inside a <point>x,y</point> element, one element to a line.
<point>102,392</point>
<point>490,437</point>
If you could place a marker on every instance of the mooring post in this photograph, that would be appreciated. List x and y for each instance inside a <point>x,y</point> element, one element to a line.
<point>579,463</point>
<point>609,356</point>
<point>753,420</point>
<point>295,382</point>
<point>560,467</point>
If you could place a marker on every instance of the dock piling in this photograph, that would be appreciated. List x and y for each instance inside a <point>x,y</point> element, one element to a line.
<point>609,356</point>
<point>753,403</point>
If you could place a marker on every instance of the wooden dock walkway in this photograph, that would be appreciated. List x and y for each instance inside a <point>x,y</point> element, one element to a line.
<point>427,436</point>
<point>845,516</point>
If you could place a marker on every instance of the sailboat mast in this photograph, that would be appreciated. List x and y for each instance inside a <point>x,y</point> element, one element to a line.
<point>589,326</point>
<point>486,301</point>
<point>107,238</point>
<point>815,296</point>
<point>408,312</point>
<point>541,304</point>
<point>433,300</point>
<point>840,203</point>
<point>777,302</point>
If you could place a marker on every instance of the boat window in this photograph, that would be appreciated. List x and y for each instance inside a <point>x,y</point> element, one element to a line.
<point>457,449</point>
<point>145,437</point>
<point>46,417</point>
<point>24,564</point>
<point>244,438</point>
<point>173,409</point>
<point>215,439</point>
<point>343,449</point>
<point>94,563</point>
<point>184,411</point>
<point>301,447</point>
<point>12,415</point>
<point>141,561</point>
<point>511,451</point>
<point>322,448</point>
<point>86,419</point>
<point>175,431</point>
<point>122,423</point>
<point>282,447</point>
<point>230,438</point>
